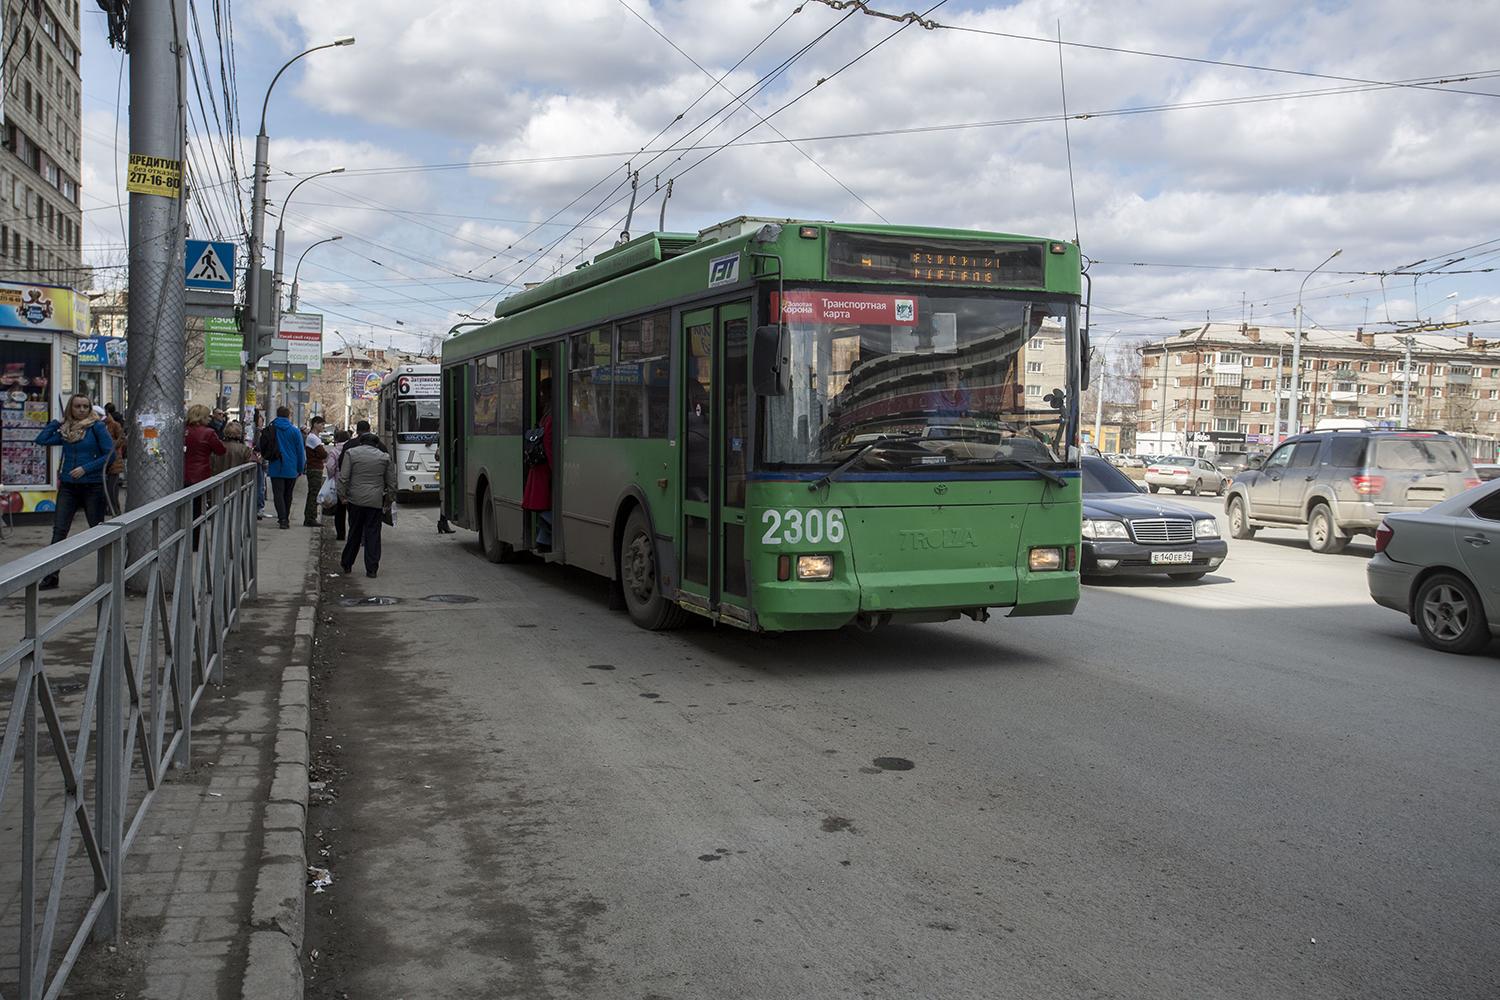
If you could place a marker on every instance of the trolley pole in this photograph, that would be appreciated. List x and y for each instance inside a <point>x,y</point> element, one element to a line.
<point>155,366</point>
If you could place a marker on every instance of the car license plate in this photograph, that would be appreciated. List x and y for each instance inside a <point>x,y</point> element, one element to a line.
<point>1170,558</point>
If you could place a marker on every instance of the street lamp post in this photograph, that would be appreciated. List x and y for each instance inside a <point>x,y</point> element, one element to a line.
<point>276,270</point>
<point>298,269</point>
<point>258,214</point>
<point>1294,418</point>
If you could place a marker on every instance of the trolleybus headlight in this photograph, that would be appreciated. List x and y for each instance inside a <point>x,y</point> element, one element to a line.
<point>1206,528</point>
<point>1043,559</point>
<point>814,567</point>
<point>1104,529</point>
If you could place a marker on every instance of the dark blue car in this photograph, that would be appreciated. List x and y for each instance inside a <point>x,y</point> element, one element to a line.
<point>1127,531</point>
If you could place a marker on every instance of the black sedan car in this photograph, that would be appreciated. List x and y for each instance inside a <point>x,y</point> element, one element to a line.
<point>1127,531</point>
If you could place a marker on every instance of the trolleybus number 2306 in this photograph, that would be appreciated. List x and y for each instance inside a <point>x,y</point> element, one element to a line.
<point>786,425</point>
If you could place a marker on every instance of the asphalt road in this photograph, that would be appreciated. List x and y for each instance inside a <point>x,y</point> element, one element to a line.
<point>1260,786</point>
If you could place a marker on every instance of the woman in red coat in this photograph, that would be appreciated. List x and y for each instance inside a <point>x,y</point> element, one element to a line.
<point>200,445</point>
<point>538,493</point>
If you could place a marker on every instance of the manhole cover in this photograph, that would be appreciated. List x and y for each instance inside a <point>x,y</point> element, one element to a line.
<point>893,763</point>
<point>450,599</point>
<point>367,602</point>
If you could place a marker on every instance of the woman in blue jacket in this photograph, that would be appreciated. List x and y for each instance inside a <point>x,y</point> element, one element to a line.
<point>86,450</point>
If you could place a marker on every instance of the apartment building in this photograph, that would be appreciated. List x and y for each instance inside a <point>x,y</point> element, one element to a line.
<point>1216,389</point>
<point>41,224</point>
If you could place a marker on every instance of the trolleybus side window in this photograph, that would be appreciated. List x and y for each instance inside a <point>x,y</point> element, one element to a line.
<point>486,388</point>
<point>510,392</point>
<point>589,384</point>
<point>642,377</point>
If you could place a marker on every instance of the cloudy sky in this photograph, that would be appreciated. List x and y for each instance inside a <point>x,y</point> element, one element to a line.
<point>1219,150</point>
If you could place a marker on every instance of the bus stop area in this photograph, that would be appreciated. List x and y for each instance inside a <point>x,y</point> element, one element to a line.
<point>213,879</point>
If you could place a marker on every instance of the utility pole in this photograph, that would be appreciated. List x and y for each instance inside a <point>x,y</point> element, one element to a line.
<point>155,366</point>
<point>1276,425</point>
<point>1166,364</point>
<point>1294,418</point>
<point>1099,398</point>
<point>1406,342</point>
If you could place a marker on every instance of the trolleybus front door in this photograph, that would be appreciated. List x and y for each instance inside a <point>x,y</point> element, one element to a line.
<point>714,440</point>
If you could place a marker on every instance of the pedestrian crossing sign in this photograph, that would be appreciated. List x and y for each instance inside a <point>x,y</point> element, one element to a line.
<point>209,264</point>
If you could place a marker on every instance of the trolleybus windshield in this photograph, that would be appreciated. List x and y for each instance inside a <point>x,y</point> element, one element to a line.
<point>417,420</point>
<point>922,381</point>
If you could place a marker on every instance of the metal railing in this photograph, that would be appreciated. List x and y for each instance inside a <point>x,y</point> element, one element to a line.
<point>179,569</point>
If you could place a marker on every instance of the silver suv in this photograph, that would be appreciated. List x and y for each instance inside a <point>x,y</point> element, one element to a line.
<point>1341,483</point>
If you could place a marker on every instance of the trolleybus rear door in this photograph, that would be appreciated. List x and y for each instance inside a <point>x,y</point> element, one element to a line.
<point>451,444</point>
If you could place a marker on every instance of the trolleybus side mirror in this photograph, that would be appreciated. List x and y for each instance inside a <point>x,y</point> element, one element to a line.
<point>769,360</point>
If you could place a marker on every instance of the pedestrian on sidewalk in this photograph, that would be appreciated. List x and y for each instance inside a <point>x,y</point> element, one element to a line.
<point>86,450</point>
<point>331,474</point>
<point>236,451</point>
<point>367,483</point>
<point>115,470</point>
<point>217,422</point>
<point>200,446</point>
<point>261,462</point>
<point>317,454</point>
<point>287,460</point>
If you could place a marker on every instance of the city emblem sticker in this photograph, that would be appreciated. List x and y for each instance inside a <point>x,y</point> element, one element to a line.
<point>724,270</point>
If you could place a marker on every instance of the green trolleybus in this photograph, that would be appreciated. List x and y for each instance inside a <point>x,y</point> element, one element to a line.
<point>787,425</point>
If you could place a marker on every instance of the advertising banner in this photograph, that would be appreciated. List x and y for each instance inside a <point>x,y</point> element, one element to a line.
<point>36,307</point>
<point>108,352</point>
<point>848,308</point>
<point>303,333</point>
<point>221,344</point>
<point>363,384</point>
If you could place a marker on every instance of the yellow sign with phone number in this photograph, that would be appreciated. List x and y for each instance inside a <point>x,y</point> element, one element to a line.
<point>154,175</point>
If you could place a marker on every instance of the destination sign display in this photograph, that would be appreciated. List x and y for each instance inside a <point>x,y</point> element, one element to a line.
<point>940,262</point>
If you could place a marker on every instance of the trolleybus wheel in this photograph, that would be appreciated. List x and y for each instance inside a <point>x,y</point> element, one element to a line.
<point>495,550</point>
<point>639,579</point>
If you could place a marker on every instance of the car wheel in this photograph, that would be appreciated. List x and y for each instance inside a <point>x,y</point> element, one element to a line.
<point>494,549</point>
<point>1322,536</point>
<point>1197,487</point>
<point>639,580</point>
<point>1198,575</point>
<point>1153,487</point>
<point>1450,616</point>
<point>1239,523</point>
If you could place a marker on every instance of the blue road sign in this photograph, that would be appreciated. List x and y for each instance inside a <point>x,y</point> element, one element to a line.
<point>209,265</point>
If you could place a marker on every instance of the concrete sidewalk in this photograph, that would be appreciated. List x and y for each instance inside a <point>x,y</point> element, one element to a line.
<point>214,883</point>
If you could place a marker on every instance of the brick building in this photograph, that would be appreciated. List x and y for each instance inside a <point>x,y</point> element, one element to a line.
<point>1215,389</point>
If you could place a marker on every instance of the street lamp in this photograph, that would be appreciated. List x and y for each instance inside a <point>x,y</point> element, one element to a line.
<point>298,269</point>
<point>1099,390</point>
<point>281,231</point>
<point>253,319</point>
<point>1294,419</point>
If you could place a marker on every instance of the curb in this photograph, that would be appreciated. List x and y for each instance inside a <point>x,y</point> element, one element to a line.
<point>273,970</point>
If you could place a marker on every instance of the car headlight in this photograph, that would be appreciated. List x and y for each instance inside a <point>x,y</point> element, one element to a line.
<point>1206,528</point>
<point>1104,529</point>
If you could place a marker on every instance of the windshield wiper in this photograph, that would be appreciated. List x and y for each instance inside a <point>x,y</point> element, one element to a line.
<point>1031,467</point>
<point>831,475</point>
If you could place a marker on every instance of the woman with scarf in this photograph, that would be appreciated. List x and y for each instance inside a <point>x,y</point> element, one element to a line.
<point>86,450</point>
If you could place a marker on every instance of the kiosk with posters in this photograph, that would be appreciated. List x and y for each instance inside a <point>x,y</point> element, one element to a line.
<point>38,360</point>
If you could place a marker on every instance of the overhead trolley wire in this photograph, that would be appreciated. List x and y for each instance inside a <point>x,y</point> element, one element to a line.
<point>719,83</point>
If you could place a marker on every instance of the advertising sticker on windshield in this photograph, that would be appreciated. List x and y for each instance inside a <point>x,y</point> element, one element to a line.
<point>839,307</point>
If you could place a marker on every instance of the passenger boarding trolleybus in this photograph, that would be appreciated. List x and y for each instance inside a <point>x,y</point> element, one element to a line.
<point>410,404</point>
<point>788,425</point>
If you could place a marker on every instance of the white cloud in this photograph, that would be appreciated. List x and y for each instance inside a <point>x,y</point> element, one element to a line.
<point>1391,175</point>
